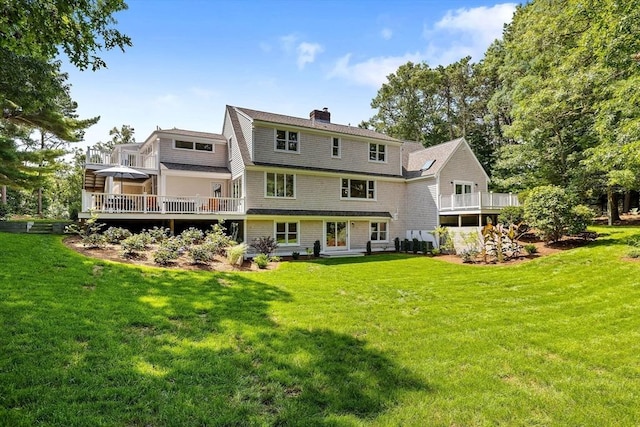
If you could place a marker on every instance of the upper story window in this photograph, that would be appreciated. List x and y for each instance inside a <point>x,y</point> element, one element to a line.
<point>190,145</point>
<point>336,148</point>
<point>280,185</point>
<point>358,189</point>
<point>377,152</point>
<point>287,140</point>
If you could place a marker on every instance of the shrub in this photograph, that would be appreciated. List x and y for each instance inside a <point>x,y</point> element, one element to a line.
<point>295,255</point>
<point>369,247</point>
<point>530,248</point>
<point>217,240</point>
<point>469,255</point>
<point>261,260</point>
<point>164,255</point>
<point>435,251</point>
<point>548,210</point>
<point>4,211</point>
<point>316,248</point>
<point>235,254</point>
<point>580,218</point>
<point>133,244</point>
<point>89,232</point>
<point>511,215</point>
<point>200,254</point>
<point>264,245</point>
<point>116,234</point>
<point>407,246</point>
<point>396,244</point>
<point>158,234</point>
<point>415,245</point>
<point>192,236</point>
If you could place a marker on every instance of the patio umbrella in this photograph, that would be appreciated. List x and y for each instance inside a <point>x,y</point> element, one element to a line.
<point>122,172</point>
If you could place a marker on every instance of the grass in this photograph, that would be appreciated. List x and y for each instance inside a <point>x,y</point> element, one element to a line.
<point>381,340</point>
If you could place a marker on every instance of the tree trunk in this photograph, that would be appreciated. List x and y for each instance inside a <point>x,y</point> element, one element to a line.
<point>40,202</point>
<point>4,194</point>
<point>612,206</point>
<point>627,202</point>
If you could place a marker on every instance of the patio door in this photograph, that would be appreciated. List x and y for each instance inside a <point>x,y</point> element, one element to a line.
<point>336,236</point>
<point>463,196</point>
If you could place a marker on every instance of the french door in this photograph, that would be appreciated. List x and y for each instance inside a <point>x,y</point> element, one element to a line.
<point>336,236</point>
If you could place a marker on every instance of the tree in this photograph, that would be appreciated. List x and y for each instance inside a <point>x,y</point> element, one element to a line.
<point>33,91</point>
<point>568,76</point>
<point>434,105</point>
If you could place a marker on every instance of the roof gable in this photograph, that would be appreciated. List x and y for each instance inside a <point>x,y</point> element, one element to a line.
<point>415,159</point>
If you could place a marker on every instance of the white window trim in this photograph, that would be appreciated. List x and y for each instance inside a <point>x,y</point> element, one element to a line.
<point>295,184</point>
<point>387,228</point>
<point>275,232</point>
<point>339,156</point>
<point>275,141</point>
<point>375,190</point>
<point>213,146</point>
<point>386,152</point>
<point>463,183</point>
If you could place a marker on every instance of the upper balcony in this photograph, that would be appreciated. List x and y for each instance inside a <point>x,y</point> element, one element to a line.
<point>480,201</point>
<point>123,155</point>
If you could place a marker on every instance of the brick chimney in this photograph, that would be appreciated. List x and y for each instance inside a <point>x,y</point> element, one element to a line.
<point>321,115</point>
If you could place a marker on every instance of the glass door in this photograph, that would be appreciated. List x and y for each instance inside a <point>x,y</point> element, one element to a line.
<point>336,235</point>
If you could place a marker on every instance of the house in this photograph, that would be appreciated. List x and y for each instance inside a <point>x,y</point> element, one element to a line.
<point>296,179</point>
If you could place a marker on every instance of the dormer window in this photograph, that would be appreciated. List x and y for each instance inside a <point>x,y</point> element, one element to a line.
<point>287,141</point>
<point>377,153</point>
<point>190,145</point>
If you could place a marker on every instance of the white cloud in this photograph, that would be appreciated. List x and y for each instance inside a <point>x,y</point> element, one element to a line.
<point>167,99</point>
<point>386,33</point>
<point>307,53</point>
<point>372,72</point>
<point>484,24</point>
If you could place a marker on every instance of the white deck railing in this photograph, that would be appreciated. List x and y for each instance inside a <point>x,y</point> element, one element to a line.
<point>131,158</point>
<point>147,203</point>
<point>479,200</point>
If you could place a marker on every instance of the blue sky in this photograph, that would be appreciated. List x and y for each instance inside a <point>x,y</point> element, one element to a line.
<point>190,58</point>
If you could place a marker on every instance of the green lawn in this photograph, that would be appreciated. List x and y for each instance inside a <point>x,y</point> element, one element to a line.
<point>382,340</point>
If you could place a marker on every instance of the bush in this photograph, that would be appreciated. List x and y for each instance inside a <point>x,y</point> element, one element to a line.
<point>580,218</point>
<point>469,255</point>
<point>165,254</point>
<point>261,260</point>
<point>530,248</point>
<point>548,210</point>
<point>89,232</point>
<point>200,254</point>
<point>369,247</point>
<point>235,254</point>
<point>435,251</point>
<point>4,211</point>
<point>264,245</point>
<point>217,240</point>
<point>316,248</point>
<point>396,244</point>
<point>116,234</point>
<point>158,234</point>
<point>192,236</point>
<point>295,255</point>
<point>134,244</point>
<point>415,245</point>
<point>511,215</point>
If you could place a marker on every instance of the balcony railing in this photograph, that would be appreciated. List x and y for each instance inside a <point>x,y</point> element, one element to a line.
<point>152,204</point>
<point>479,200</point>
<point>131,158</point>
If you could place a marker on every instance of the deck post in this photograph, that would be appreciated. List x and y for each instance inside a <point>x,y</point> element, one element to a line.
<point>144,202</point>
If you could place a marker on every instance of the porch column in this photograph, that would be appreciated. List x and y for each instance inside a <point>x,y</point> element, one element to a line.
<point>459,220</point>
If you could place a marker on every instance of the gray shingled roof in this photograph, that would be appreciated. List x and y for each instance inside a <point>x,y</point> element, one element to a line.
<point>194,168</point>
<point>300,212</point>
<point>414,157</point>
<point>193,133</point>
<point>313,124</point>
<point>237,131</point>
